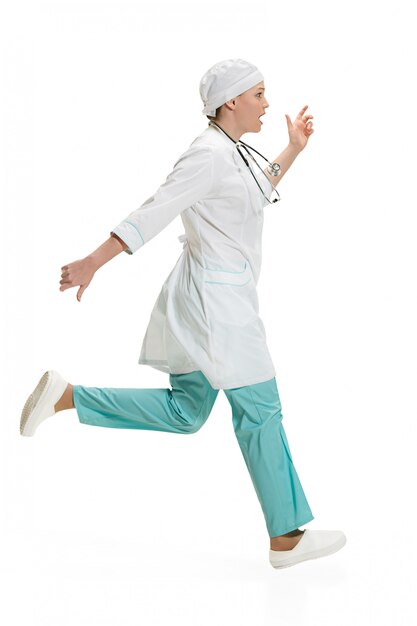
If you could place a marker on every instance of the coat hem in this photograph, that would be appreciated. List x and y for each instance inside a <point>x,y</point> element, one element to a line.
<point>164,367</point>
<point>249,381</point>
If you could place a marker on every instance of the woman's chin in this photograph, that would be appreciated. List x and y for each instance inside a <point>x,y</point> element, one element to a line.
<point>254,129</point>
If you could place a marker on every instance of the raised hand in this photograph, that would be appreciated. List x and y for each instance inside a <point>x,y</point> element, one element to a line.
<point>300,130</point>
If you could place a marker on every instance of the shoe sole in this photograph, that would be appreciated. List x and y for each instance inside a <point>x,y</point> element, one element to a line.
<point>31,405</point>
<point>312,555</point>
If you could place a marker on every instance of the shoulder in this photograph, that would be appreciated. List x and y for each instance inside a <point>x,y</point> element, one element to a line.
<point>208,151</point>
<point>212,138</point>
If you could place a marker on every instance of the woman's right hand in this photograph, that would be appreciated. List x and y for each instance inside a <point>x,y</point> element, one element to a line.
<point>78,273</point>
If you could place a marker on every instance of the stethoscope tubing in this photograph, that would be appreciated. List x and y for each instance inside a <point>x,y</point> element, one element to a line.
<point>247,147</point>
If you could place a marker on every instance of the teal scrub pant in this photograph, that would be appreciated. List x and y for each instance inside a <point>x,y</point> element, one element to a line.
<point>183,409</point>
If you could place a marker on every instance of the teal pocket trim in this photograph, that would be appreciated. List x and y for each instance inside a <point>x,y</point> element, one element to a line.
<point>215,282</point>
<point>211,269</point>
<point>237,278</point>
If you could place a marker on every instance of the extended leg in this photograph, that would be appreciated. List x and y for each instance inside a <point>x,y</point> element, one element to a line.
<point>182,409</point>
<point>257,421</point>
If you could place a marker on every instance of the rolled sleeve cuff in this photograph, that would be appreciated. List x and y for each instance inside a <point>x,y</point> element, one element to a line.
<point>131,235</point>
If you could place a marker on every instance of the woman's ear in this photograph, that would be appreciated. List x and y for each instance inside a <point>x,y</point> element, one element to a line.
<point>231,104</point>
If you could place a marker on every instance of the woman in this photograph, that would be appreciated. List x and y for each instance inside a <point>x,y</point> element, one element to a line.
<point>204,330</point>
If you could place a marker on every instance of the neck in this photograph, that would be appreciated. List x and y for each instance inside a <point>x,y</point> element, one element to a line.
<point>230,127</point>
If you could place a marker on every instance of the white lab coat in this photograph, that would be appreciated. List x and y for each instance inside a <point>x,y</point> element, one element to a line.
<point>206,315</point>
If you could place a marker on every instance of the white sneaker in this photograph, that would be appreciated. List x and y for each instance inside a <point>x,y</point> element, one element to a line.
<point>41,402</point>
<point>312,545</point>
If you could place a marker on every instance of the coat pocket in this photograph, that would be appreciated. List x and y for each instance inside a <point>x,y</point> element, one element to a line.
<point>223,276</point>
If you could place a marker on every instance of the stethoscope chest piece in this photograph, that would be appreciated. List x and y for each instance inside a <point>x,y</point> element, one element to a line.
<point>274,169</point>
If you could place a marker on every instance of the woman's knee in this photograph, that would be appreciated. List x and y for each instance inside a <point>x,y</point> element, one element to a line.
<point>192,398</point>
<point>255,404</point>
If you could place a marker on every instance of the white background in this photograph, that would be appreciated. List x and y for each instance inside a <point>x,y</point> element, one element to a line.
<point>121,527</point>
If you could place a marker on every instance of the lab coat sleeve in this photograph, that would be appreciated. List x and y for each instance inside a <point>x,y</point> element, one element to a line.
<point>267,187</point>
<point>189,181</point>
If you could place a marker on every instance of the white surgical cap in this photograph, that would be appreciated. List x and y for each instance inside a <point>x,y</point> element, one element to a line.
<point>227,80</point>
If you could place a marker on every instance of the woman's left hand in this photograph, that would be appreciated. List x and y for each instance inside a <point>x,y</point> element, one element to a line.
<point>301,129</point>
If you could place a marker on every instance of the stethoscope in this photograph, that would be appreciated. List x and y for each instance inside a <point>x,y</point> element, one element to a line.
<point>273,168</point>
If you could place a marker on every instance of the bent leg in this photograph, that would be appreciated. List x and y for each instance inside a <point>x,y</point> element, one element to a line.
<point>182,409</point>
<point>257,422</point>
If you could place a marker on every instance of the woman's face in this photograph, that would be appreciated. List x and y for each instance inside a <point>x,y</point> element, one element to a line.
<point>249,106</point>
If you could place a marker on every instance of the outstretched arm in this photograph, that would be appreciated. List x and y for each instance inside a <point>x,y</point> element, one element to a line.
<point>81,272</point>
<point>298,132</point>
<point>189,181</point>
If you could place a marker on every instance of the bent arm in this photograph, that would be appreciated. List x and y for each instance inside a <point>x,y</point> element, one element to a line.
<point>285,160</point>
